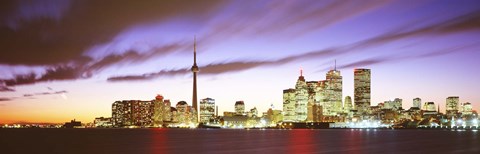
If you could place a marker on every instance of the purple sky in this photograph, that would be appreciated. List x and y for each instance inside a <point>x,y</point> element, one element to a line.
<point>64,59</point>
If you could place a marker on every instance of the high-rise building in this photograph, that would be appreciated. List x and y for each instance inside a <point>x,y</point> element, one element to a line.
<point>159,112</point>
<point>253,112</point>
<point>183,112</point>
<point>395,105</point>
<point>239,107</point>
<point>301,98</point>
<point>452,105</point>
<point>207,109</point>
<point>347,106</point>
<point>362,89</point>
<point>167,115</point>
<point>289,104</point>
<point>333,93</point>
<point>467,109</point>
<point>430,106</point>
<point>132,113</point>
<point>417,102</point>
<point>195,70</point>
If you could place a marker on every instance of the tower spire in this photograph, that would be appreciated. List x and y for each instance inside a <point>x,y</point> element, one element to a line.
<point>195,49</point>
<point>194,71</point>
<point>438,108</point>
<point>301,71</point>
<point>335,67</point>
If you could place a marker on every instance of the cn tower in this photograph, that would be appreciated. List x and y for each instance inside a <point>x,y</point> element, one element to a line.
<point>195,70</point>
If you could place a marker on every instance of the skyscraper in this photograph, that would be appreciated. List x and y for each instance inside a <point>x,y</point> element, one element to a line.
<point>362,90</point>
<point>289,104</point>
<point>347,105</point>
<point>132,113</point>
<point>158,112</point>
<point>301,98</point>
<point>195,70</point>
<point>452,105</point>
<point>207,109</point>
<point>239,107</point>
<point>417,102</point>
<point>333,93</point>
<point>467,108</point>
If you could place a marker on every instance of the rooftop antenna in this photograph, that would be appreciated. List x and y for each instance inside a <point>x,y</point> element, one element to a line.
<point>335,68</point>
<point>301,71</point>
<point>438,108</point>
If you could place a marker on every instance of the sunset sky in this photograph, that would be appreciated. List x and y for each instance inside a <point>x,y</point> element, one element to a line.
<point>62,59</point>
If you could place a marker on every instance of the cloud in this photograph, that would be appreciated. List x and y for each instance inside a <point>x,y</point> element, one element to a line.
<point>2,99</point>
<point>60,41</point>
<point>51,32</point>
<point>46,93</point>
<point>21,80</point>
<point>462,23</point>
<point>6,89</point>
<point>148,76</point>
<point>395,58</point>
<point>27,95</point>
<point>51,74</point>
<point>87,67</point>
<point>135,56</point>
<point>285,18</point>
<point>220,68</point>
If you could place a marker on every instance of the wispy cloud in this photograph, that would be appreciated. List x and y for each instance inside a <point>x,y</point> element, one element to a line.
<point>463,23</point>
<point>2,99</point>
<point>6,89</point>
<point>56,32</point>
<point>396,58</point>
<point>263,20</point>
<point>148,76</point>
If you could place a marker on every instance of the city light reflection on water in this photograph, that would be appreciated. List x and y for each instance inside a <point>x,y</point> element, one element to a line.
<point>164,140</point>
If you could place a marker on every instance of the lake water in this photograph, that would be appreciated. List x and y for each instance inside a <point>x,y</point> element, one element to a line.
<point>237,141</point>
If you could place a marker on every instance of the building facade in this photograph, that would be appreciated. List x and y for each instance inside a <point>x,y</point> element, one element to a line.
<point>240,108</point>
<point>347,105</point>
<point>132,113</point>
<point>207,109</point>
<point>289,104</point>
<point>452,105</point>
<point>362,90</point>
<point>417,102</point>
<point>333,94</point>
<point>395,105</point>
<point>301,98</point>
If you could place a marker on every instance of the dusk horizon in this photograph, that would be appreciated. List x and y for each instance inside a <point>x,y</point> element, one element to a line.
<point>64,60</point>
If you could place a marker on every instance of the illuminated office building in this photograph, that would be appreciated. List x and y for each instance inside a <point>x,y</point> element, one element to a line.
<point>347,106</point>
<point>333,93</point>
<point>362,90</point>
<point>395,105</point>
<point>289,104</point>
<point>207,109</point>
<point>452,105</point>
<point>467,109</point>
<point>301,98</point>
<point>132,113</point>
<point>240,108</point>
<point>417,103</point>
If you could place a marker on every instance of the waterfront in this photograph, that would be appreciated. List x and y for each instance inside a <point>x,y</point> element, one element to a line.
<point>237,141</point>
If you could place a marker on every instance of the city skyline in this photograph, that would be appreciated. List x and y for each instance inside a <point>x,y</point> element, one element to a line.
<point>253,62</point>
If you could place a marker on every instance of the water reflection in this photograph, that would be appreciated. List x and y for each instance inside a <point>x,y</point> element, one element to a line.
<point>301,141</point>
<point>159,141</point>
<point>237,141</point>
